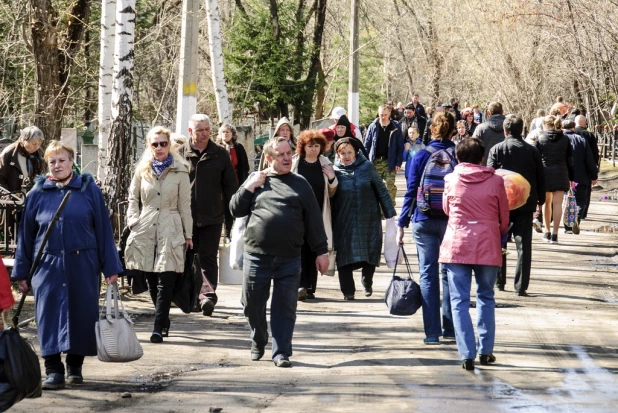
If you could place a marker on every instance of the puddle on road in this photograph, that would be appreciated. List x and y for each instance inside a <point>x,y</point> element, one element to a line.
<point>607,229</point>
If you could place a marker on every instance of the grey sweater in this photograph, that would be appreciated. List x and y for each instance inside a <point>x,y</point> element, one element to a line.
<point>282,214</point>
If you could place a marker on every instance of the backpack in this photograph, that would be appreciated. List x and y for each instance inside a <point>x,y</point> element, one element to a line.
<point>429,196</point>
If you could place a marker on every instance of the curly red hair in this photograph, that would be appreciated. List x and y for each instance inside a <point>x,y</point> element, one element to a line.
<point>310,137</point>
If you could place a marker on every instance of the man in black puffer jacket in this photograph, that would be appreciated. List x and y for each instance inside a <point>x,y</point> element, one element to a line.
<point>491,132</point>
<point>516,155</point>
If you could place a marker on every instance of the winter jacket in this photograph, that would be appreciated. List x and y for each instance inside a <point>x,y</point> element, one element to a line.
<point>584,168</point>
<point>421,117</point>
<point>475,201</point>
<point>557,157</point>
<point>357,220</point>
<point>159,215</point>
<point>409,210</point>
<point>395,143</point>
<point>491,133</point>
<point>516,155</point>
<point>12,165</point>
<point>329,191</point>
<point>405,124</point>
<point>67,281</point>
<point>591,139</point>
<point>213,182</point>
<point>283,121</point>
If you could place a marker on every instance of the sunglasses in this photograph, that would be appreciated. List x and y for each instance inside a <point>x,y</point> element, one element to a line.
<point>156,144</point>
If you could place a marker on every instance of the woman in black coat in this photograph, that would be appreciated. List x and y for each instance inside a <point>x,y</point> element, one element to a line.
<point>556,154</point>
<point>358,205</point>
<point>240,162</point>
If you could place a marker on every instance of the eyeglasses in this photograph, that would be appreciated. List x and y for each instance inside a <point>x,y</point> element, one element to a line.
<point>156,144</point>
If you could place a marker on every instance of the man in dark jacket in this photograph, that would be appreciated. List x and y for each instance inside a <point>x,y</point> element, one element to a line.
<point>580,128</point>
<point>491,132</point>
<point>409,119</point>
<point>384,144</point>
<point>420,112</point>
<point>585,172</point>
<point>213,182</point>
<point>282,211</point>
<point>516,155</point>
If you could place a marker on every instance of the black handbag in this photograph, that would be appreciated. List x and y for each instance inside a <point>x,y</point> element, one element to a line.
<point>188,286</point>
<point>403,295</point>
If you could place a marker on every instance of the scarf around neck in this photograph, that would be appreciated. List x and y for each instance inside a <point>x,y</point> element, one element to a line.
<point>33,162</point>
<point>159,166</point>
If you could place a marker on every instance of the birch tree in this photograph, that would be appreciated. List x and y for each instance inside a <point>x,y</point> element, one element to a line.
<point>106,80</point>
<point>216,60</point>
<point>118,174</point>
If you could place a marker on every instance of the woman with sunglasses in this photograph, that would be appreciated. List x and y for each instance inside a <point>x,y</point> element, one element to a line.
<point>159,216</point>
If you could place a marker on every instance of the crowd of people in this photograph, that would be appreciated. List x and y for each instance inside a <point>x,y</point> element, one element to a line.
<point>313,200</point>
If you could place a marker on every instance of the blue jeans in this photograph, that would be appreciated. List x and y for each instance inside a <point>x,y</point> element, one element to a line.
<point>428,236</point>
<point>460,279</point>
<point>259,270</point>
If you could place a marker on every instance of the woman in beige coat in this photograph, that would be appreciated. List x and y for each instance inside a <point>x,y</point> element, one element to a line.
<point>159,216</point>
<point>318,171</point>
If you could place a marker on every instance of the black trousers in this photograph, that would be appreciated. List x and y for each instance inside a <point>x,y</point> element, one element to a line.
<point>53,362</point>
<point>346,276</point>
<point>161,289</point>
<point>309,273</point>
<point>583,193</point>
<point>206,244</point>
<point>228,222</point>
<point>522,235</point>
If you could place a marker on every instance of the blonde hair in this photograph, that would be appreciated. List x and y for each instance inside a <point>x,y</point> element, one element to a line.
<point>56,147</point>
<point>552,122</point>
<point>144,166</point>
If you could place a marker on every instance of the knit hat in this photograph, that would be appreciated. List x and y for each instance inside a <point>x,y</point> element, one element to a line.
<point>329,134</point>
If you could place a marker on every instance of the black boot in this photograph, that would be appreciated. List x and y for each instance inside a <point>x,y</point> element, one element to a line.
<point>74,375</point>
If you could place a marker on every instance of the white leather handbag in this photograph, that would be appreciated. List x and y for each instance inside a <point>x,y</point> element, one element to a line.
<point>116,339</point>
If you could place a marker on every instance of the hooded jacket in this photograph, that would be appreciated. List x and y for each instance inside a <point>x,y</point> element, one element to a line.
<point>159,215</point>
<point>491,133</point>
<point>283,121</point>
<point>475,201</point>
<point>557,157</point>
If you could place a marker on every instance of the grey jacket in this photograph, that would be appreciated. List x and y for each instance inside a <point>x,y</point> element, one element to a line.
<point>491,132</point>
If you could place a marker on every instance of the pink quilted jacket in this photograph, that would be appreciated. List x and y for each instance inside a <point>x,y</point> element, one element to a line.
<point>475,201</point>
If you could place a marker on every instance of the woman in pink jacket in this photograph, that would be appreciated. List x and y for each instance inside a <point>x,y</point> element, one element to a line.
<point>475,201</point>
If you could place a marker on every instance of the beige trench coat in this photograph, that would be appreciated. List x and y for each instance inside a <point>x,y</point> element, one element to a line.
<point>329,192</point>
<point>162,223</point>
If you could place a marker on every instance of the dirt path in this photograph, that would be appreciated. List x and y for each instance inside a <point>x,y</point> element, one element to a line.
<point>556,350</point>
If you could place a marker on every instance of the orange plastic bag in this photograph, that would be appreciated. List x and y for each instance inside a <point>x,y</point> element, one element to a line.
<point>516,186</point>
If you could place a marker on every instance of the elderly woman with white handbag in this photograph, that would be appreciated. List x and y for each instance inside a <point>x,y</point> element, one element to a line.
<point>318,171</point>
<point>159,215</point>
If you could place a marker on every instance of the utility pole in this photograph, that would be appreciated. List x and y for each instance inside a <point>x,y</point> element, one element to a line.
<point>353,96</point>
<point>187,79</point>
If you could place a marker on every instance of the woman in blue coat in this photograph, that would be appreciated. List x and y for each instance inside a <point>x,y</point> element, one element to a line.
<point>66,282</point>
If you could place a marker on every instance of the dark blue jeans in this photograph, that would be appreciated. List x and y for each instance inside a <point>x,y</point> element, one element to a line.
<point>259,270</point>
<point>428,236</point>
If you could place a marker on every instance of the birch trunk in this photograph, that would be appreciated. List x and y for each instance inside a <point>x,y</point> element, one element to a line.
<point>118,174</point>
<point>216,59</point>
<point>106,80</point>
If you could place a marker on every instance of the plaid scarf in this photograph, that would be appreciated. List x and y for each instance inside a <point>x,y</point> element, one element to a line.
<point>159,166</point>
